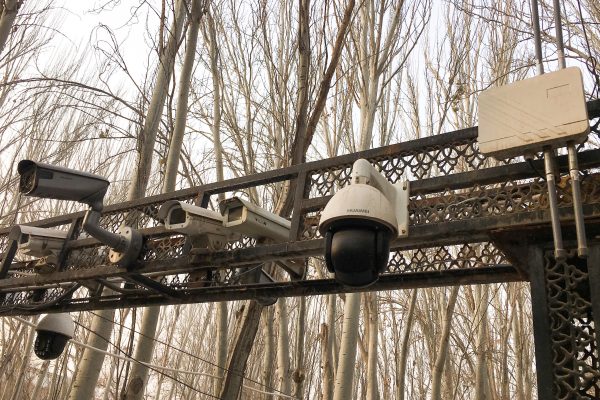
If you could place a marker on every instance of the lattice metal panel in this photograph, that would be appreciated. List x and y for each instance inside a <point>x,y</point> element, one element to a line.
<point>424,162</point>
<point>29,299</point>
<point>163,247</point>
<point>575,355</point>
<point>87,257</point>
<point>442,258</point>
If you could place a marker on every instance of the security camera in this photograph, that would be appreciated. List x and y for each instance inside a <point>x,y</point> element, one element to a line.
<point>53,333</point>
<point>59,183</point>
<point>200,224</point>
<point>254,221</point>
<point>359,222</point>
<point>52,182</point>
<point>38,242</point>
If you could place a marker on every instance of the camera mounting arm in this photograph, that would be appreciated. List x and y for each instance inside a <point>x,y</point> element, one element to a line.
<point>125,246</point>
<point>398,194</point>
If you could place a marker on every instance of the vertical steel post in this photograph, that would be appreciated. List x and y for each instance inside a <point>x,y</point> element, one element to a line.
<point>559,251</point>
<point>541,323</point>
<point>536,36</point>
<point>593,265</point>
<point>582,250</point>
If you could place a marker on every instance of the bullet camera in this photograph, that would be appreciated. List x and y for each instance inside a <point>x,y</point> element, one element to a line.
<point>38,242</point>
<point>51,182</point>
<point>203,226</point>
<point>53,333</point>
<point>59,183</point>
<point>254,221</point>
<point>359,222</point>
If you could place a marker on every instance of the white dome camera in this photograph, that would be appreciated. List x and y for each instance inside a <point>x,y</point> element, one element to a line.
<point>359,222</point>
<point>53,333</point>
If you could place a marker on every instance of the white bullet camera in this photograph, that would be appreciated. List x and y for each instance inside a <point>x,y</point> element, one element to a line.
<point>200,224</point>
<point>254,221</point>
<point>51,182</point>
<point>59,183</point>
<point>38,242</point>
<point>53,333</point>
<point>359,222</point>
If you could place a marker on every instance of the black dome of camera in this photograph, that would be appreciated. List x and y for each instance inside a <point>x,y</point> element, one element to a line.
<point>357,250</point>
<point>49,345</point>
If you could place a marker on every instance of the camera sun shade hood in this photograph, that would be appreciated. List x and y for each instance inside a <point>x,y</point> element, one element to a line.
<point>59,183</point>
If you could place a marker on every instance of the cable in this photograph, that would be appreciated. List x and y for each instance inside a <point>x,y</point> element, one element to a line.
<point>152,366</point>
<point>141,363</point>
<point>225,369</point>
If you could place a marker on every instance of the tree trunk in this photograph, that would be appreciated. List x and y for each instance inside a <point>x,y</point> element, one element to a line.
<point>221,325</point>
<point>401,362</point>
<point>145,345</point>
<point>267,373</point>
<point>40,381</point>
<point>87,375</point>
<point>440,359</point>
<point>298,376</point>
<point>9,13</point>
<point>241,351</point>
<point>373,329</point>
<point>24,363</point>
<point>482,389</point>
<point>344,375</point>
<point>147,136</point>
<point>283,348</point>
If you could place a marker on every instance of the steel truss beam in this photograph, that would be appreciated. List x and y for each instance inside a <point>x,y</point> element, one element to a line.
<point>460,200</point>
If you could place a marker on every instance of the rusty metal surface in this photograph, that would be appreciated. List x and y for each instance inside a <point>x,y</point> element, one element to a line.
<point>458,198</point>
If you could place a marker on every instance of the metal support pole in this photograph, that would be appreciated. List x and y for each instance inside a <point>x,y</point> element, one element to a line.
<point>560,49</point>
<point>535,21</point>
<point>582,250</point>
<point>559,251</point>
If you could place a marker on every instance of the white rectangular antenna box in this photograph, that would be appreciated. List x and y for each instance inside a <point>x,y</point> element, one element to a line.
<point>525,116</point>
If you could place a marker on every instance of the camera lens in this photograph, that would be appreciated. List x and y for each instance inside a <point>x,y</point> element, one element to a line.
<point>49,345</point>
<point>358,254</point>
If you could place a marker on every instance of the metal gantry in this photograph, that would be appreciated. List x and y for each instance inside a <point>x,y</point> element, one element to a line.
<point>473,220</point>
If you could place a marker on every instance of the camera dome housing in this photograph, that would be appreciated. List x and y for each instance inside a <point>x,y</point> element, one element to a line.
<point>358,224</point>
<point>53,333</point>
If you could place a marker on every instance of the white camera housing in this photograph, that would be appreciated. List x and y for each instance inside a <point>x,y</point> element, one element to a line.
<point>38,242</point>
<point>251,220</point>
<point>53,333</point>
<point>196,222</point>
<point>52,182</point>
<point>525,116</point>
<point>359,222</point>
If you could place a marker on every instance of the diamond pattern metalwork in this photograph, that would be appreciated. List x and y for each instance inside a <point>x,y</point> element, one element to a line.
<point>575,354</point>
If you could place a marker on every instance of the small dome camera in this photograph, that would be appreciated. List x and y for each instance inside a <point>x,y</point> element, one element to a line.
<point>53,333</point>
<point>358,224</point>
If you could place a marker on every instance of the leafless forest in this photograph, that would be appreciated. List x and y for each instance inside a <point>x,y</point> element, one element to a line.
<point>161,95</point>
